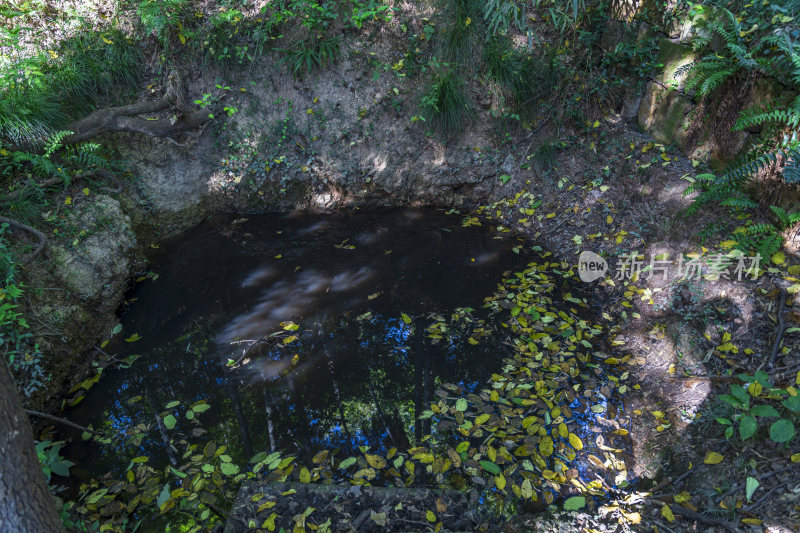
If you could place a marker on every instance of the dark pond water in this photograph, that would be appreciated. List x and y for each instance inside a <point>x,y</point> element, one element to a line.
<point>213,328</point>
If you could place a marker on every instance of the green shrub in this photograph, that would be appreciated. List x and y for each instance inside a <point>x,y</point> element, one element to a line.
<point>40,93</point>
<point>220,40</point>
<point>28,116</point>
<point>527,79</point>
<point>774,415</point>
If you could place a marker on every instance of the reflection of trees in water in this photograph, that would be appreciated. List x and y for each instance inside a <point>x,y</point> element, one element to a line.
<point>356,381</point>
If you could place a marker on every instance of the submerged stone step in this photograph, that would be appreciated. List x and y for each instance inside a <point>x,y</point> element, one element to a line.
<point>346,508</point>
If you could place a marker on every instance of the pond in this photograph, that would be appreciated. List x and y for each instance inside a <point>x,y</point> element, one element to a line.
<point>299,332</point>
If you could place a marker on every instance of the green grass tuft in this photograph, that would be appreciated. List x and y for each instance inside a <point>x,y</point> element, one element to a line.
<point>545,154</point>
<point>311,53</point>
<point>25,207</point>
<point>527,79</point>
<point>28,117</point>
<point>91,65</point>
<point>460,39</point>
<point>445,103</point>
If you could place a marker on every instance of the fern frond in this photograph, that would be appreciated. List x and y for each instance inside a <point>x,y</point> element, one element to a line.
<point>759,117</point>
<point>791,172</point>
<point>740,203</point>
<point>684,69</point>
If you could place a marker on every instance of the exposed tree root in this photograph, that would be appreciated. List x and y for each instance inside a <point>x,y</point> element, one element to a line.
<point>124,119</point>
<point>36,232</point>
<point>699,517</point>
<point>120,186</point>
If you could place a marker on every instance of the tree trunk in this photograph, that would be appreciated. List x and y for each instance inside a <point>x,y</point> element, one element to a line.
<point>26,505</point>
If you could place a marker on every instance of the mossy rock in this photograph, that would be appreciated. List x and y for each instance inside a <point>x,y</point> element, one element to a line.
<point>663,113</point>
<point>673,56</point>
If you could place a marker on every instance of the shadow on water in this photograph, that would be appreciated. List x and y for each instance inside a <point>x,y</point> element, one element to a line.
<point>360,286</point>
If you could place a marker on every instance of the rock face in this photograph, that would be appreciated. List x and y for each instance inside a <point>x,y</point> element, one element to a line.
<point>90,274</point>
<point>171,182</point>
<point>95,266</point>
<point>339,136</point>
<point>702,127</point>
<point>664,109</point>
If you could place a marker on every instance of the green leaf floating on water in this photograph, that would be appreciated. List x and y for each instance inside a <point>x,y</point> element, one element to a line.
<point>201,408</point>
<point>170,421</point>
<point>406,318</point>
<point>575,503</point>
<point>490,467</point>
<point>350,461</point>
<point>462,404</point>
<point>133,338</point>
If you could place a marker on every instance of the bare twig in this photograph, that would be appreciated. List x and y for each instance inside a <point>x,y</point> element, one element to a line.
<point>699,517</point>
<point>781,316</point>
<point>360,519</point>
<point>64,422</point>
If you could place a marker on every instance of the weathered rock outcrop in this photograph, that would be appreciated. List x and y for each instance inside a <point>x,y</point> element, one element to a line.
<point>74,298</point>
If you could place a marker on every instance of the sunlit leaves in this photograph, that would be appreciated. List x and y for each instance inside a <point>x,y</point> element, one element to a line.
<point>666,512</point>
<point>375,461</point>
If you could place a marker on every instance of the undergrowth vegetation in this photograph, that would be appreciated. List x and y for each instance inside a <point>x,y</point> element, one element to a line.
<point>38,93</point>
<point>531,64</point>
<point>762,42</point>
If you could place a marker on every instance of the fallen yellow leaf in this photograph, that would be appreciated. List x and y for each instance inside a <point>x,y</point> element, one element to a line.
<point>713,458</point>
